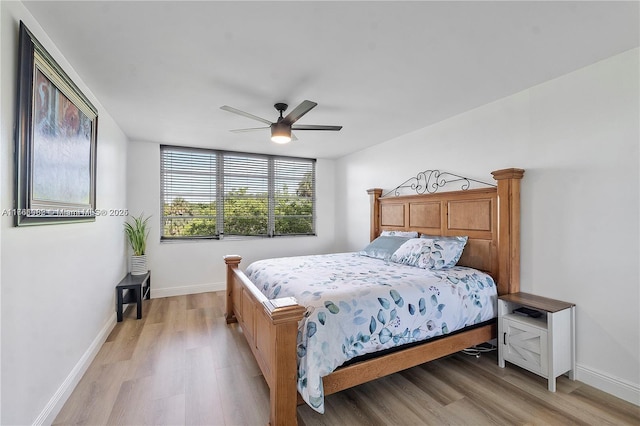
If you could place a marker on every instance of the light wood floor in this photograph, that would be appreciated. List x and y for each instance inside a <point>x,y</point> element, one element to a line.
<point>181,364</point>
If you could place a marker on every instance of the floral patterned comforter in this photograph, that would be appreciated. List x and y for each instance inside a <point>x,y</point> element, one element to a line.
<point>358,305</point>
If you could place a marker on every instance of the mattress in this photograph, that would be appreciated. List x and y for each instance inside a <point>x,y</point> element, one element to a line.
<point>358,305</point>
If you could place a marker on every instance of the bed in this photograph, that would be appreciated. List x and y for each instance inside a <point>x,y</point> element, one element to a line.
<point>489,217</point>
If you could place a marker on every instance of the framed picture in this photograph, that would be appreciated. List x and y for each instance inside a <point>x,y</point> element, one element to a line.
<point>56,133</point>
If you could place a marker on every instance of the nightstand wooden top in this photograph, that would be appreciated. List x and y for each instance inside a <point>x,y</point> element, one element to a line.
<point>537,302</point>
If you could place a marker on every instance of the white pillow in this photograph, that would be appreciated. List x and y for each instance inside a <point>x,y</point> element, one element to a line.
<point>407,234</point>
<point>430,253</point>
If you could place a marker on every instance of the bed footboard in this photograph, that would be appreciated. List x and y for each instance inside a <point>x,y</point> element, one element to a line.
<point>270,327</point>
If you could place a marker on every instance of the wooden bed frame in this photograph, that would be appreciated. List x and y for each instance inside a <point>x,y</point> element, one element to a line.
<point>491,219</point>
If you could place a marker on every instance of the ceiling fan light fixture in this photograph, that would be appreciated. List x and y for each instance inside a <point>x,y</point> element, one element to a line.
<point>280,133</point>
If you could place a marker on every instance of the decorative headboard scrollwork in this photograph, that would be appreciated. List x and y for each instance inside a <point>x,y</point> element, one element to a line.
<point>430,181</point>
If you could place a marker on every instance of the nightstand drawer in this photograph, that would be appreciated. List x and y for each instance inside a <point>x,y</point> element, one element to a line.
<point>525,345</point>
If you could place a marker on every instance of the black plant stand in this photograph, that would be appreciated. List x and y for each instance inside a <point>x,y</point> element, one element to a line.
<point>138,286</point>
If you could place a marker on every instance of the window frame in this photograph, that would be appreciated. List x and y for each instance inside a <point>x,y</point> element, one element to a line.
<point>220,196</point>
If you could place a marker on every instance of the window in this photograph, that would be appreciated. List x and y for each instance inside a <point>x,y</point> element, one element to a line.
<point>211,194</point>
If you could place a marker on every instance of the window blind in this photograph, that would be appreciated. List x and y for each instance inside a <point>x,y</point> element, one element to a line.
<point>211,194</point>
<point>246,195</point>
<point>188,193</point>
<point>294,197</point>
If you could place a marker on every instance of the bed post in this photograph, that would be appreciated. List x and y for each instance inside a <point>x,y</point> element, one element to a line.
<point>283,391</point>
<point>232,261</point>
<point>374,198</point>
<point>508,229</point>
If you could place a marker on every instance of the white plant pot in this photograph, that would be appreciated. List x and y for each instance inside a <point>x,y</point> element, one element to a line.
<point>139,265</point>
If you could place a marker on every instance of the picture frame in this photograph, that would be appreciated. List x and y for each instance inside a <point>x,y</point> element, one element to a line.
<point>56,136</point>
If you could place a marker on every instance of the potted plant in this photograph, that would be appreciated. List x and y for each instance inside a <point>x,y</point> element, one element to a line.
<point>137,233</point>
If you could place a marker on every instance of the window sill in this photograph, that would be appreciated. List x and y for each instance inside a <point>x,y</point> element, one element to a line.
<point>229,238</point>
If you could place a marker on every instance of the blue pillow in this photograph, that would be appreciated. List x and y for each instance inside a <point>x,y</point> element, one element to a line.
<point>383,247</point>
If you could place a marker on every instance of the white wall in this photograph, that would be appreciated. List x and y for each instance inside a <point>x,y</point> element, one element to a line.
<point>57,280</point>
<point>197,266</point>
<point>577,137</point>
<point>1,192</point>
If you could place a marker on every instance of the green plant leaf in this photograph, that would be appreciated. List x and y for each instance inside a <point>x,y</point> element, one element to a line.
<point>137,233</point>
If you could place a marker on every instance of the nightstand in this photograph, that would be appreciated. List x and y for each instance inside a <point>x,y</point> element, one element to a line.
<point>544,345</point>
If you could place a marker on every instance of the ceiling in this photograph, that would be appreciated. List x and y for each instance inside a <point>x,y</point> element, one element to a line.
<point>162,69</point>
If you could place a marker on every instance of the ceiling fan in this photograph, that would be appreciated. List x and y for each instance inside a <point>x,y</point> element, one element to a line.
<point>281,129</point>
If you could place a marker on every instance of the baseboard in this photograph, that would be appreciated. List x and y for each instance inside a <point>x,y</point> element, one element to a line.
<point>189,289</point>
<point>615,386</point>
<point>57,401</point>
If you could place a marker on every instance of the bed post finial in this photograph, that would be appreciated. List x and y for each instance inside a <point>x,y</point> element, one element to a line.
<point>508,229</point>
<point>374,198</point>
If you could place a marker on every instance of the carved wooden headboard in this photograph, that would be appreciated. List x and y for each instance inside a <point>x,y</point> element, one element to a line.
<point>490,217</point>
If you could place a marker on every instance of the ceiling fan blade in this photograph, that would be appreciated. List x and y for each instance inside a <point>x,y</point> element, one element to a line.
<point>298,112</point>
<point>245,114</point>
<point>315,127</point>
<point>248,130</point>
